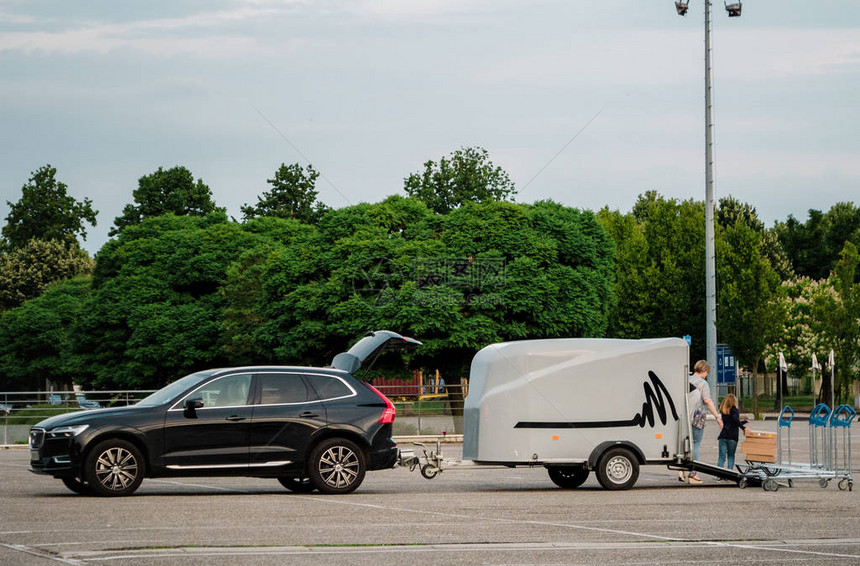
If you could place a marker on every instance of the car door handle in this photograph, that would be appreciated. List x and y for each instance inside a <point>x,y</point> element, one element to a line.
<point>309,414</point>
<point>235,418</point>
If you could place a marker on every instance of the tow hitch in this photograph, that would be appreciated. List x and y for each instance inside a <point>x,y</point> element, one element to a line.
<point>432,461</point>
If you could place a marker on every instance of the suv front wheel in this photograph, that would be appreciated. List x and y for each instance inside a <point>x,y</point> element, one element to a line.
<point>114,467</point>
<point>337,466</point>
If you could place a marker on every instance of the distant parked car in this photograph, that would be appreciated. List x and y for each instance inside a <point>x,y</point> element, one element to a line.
<point>85,403</point>
<point>310,428</point>
<point>5,409</point>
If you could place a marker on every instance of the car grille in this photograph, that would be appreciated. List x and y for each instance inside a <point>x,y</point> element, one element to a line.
<point>37,437</point>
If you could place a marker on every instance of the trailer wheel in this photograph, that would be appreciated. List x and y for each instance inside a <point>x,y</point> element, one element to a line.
<point>567,477</point>
<point>742,483</point>
<point>617,469</point>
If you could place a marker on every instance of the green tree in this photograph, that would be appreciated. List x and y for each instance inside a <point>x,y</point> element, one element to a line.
<point>244,329</point>
<point>839,310</point>
<point>158,299</point>
<point>751,312</point>
<point>467,176</point>
<point>803,333</point>
<point>46,212</point>
<point>484,273</point>
<point>659,270</point>
<point>814,246</point>
<point>173,191</point>
<point>293,195</point>
<point>37,338</point>
<point>732,212</point>
<point>25,272</point>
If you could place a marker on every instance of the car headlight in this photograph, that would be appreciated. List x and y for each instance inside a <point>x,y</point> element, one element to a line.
<point>67,431</point>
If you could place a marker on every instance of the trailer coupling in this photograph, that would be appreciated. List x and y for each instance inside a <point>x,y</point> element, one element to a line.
<point>430,463</point>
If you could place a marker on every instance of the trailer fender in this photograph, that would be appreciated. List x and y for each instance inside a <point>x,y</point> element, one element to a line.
<point>604,446</point>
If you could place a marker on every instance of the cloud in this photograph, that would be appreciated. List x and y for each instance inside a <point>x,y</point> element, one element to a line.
<point>768,54</point>
<point>396,10</point>
<point>657,56</point>
<point>204,34</point>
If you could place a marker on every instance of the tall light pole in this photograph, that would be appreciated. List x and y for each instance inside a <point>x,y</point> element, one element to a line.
<point>734,10</point>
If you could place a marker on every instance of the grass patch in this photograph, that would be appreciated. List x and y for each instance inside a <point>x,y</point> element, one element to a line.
<point>37,413</point>
<point>802,403</point>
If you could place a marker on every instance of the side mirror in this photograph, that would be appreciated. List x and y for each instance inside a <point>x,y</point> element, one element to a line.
<point>191,406</point>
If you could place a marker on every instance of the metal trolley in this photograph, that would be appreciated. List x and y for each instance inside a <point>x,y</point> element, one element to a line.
<point>829,451</point>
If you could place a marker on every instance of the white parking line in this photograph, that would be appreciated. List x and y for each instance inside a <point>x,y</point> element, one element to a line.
<point>161,554</point>
<point>597,529</point>
<point>41,554</point>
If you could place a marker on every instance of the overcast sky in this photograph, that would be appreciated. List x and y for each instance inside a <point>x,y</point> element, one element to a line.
<point>368,90</point>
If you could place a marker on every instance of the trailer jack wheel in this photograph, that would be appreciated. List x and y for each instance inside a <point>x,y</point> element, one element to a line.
<point>770,485</point>
<point>822,483</point>
<point>844,484</point>
<point>429,471</point>
<point>743,482</point>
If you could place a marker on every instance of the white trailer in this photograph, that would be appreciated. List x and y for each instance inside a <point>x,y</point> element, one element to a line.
<point>577,405</point>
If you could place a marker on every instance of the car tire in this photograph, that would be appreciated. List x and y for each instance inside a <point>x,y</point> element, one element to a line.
<point>617,469</point>
<point>77,486</point>
<point>568,477</point>
<point>336,466</point>
<point>297,485</point>
<point>114,468</point>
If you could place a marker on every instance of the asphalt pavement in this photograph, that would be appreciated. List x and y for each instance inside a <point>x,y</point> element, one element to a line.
<point>463,516</point>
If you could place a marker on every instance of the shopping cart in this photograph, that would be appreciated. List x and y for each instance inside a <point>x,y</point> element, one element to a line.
<point>829,452</point>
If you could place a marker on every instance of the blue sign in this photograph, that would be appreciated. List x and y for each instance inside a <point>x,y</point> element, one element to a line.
<point>727,370</point>
<point>689,339</point>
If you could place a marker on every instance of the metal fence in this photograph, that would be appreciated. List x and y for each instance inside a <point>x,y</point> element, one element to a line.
<point>21,409</point>
<point>431,414</point>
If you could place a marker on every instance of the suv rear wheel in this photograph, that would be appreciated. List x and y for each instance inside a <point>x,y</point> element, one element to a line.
<point>114,467</point>
<point>337,466</point>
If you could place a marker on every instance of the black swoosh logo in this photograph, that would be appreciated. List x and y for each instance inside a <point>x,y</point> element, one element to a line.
<point>654,401</point>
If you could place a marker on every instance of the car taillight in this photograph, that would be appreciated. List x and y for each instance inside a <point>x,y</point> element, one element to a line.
<point>389,412</point>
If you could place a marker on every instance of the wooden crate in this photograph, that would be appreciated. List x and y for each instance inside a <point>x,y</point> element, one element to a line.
<point>760,446</point>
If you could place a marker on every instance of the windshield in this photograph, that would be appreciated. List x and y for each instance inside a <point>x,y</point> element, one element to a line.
<point>171,391</point>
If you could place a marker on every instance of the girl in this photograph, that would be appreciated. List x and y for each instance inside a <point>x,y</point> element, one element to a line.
<point>728,438</point>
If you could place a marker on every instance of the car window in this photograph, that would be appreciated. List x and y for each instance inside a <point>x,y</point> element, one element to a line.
<point>177,387</point>
<point>282,388</point>
<point>329,386</point>
<point>228,391</point>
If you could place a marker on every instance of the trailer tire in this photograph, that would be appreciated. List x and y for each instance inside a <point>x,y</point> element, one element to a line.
<point>568,477</point>
<point>617,469</point>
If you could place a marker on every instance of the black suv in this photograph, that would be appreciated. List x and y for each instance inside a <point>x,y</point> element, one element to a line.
<point>311,428</point>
